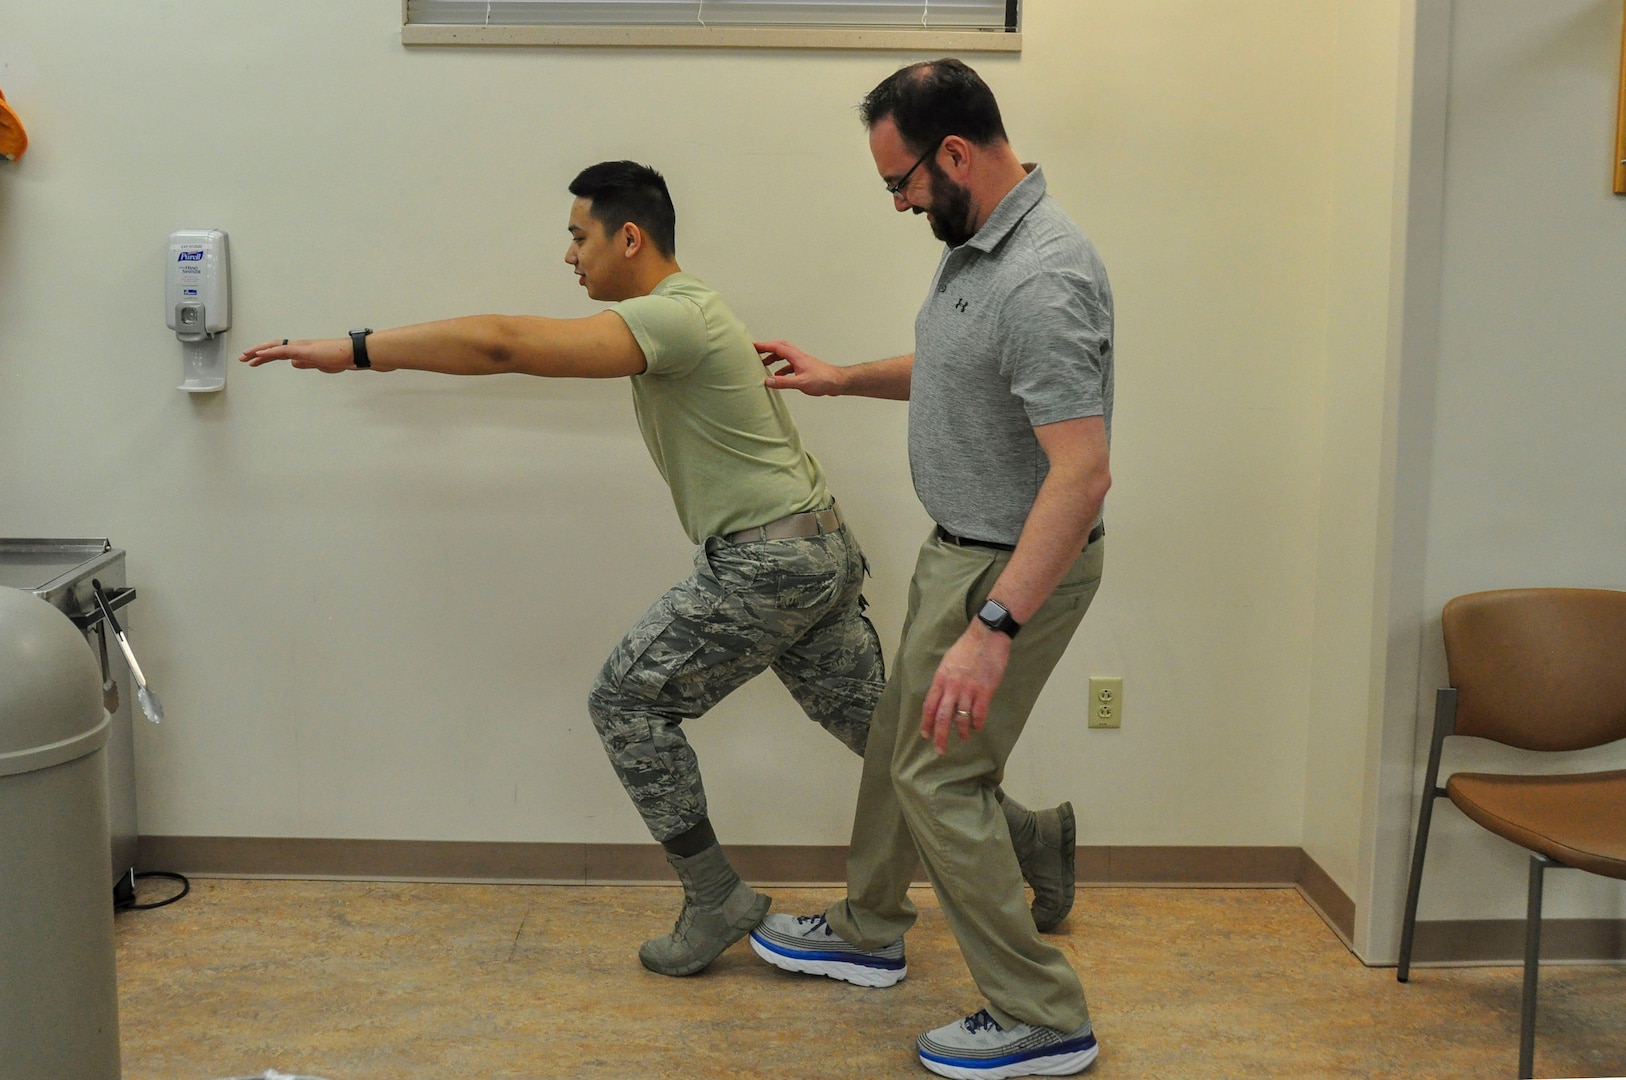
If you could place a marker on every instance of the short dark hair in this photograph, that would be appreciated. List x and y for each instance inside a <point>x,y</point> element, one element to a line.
<point>623,191</point>
<point>934,99</point>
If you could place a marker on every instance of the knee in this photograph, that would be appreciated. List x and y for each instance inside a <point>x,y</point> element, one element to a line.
<point>933,782</point>
<point>906,783</point>
<point>604,705</point>
<point>850,726</point>
<point>627,735</point>
<point>855,737</point>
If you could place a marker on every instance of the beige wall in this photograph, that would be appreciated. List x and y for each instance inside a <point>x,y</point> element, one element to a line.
<point>1369,128</point>
<point>373,604</point>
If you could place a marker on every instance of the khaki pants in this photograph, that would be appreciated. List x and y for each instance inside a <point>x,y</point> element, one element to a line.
<point>913,801</point>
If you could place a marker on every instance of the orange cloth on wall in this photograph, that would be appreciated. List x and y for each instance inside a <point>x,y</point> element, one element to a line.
<point>13,139</point>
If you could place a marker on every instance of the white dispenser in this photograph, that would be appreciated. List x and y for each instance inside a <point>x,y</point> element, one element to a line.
<point>197,303</point>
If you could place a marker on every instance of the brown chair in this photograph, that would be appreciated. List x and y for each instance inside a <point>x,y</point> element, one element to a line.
<point>1537,669</point>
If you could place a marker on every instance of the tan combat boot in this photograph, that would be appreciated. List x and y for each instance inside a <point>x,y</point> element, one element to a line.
<point>1045,845</point>
<point>718,910</point>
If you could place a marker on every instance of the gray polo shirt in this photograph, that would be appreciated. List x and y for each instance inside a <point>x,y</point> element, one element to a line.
<point>1015,333</point>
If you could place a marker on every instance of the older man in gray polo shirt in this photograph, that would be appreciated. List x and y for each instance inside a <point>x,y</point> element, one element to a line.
<point>1010,406</point>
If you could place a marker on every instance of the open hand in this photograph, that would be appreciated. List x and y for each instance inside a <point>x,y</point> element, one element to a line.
<point>964,685</point>
<point>324,354</point>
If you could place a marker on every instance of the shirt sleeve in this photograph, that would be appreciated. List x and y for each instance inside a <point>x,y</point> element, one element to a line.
<point>1055,345</point>
<point>670,331</point>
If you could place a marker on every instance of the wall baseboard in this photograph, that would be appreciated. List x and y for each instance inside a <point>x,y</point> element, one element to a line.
<point>1330,902</point>
<point>1459,942</point>
<point>768,864</point>
<point>1438,942</point>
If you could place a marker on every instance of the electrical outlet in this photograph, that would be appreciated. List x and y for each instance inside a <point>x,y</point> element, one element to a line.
<point>1106,701</point>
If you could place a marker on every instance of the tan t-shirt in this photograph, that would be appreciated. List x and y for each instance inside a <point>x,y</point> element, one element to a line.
<point>724,442</point>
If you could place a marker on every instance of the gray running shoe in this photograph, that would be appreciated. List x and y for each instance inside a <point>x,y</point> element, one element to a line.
<point>806,943</point>
<point>977,1048</point>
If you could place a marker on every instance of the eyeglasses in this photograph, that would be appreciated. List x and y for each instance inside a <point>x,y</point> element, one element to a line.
<point>902,182</point>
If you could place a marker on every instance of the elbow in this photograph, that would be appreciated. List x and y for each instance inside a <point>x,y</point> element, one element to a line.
<point>1099,484</point>
<point>506,344</point>
<point>1089,486</point>
<point>502,343</point>
<point>1094,495</point>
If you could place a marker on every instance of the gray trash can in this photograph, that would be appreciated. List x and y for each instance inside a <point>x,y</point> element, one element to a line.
<point>59,1006</point>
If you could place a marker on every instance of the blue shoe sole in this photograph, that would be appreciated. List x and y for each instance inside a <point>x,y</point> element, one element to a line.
<point>1063,1060</point>
<point>858,970</point>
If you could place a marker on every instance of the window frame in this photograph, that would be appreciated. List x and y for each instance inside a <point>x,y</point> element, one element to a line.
<point>723,37</point>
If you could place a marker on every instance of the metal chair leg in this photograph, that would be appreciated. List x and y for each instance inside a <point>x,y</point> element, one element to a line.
<point>1532,958</point>
<point>1408,925</point>
<point>1445,715</point>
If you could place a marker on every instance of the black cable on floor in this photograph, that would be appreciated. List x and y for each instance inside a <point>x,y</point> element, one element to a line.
<point>131,905</point>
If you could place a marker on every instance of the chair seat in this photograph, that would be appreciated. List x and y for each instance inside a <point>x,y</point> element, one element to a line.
<point>1575,819</point>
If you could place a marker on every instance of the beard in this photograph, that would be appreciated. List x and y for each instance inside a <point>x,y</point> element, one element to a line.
<point>951,213</point>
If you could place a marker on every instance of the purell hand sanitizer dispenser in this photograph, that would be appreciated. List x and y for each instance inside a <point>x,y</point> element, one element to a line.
<point>197,300</point>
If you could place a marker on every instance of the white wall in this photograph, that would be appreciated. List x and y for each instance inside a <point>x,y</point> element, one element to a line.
<point>373,604</point>
<point>1528,475</point>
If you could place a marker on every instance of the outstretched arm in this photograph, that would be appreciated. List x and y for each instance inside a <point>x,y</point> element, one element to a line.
<point>812,376</point>
<point>597,347</point>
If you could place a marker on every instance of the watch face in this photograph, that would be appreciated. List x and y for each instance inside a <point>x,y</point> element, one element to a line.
<point>994,616</point>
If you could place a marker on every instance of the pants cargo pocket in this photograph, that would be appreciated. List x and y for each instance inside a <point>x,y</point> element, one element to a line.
<point>646,659</point>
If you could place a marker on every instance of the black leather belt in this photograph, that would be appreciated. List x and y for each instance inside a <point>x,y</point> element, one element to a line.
<point>965,541</point>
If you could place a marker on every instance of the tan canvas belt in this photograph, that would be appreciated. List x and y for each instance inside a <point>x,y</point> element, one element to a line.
<point>807,523</point>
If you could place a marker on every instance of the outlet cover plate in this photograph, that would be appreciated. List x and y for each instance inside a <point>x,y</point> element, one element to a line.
<point>1106,701</point>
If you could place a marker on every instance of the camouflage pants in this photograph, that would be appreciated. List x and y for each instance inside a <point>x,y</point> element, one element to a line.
<point>790,605</point>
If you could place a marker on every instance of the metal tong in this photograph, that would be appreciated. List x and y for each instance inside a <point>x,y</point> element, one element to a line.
<point>149,701</point>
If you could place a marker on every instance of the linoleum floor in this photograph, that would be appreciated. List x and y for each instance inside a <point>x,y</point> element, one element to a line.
<point>391,981</point>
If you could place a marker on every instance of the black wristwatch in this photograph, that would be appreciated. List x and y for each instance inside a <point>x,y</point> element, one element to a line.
<point>358,348</point>
<point>994,616</point>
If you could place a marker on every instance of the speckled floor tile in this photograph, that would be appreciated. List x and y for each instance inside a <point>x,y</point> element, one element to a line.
<point>381,981</point>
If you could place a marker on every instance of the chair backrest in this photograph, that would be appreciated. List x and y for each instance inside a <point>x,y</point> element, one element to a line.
<point>1539,669</point>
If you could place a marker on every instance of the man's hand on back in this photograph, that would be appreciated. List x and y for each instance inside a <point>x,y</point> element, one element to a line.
<point>801,371</point>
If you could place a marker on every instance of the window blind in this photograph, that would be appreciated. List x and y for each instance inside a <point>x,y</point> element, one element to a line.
<point>949,15</point>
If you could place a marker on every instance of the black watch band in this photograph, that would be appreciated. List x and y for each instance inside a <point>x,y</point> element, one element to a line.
<point>994,616</point>
<point>358,348</point>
